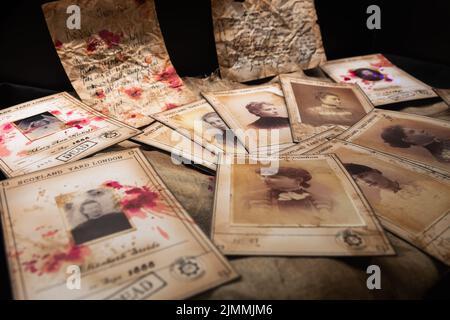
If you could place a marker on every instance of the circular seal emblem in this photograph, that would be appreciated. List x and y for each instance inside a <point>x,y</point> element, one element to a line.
<point>110,134</point>
<point>187,268</point>
<point>351,239</point>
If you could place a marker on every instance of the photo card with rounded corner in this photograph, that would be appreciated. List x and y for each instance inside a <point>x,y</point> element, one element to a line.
<point>258,116</point>
<point>199,122</point>
<point>420,139</point>
<point>316,106</point>
<point>305,205</point>
<point>54,130</point>
<point>122,232</point>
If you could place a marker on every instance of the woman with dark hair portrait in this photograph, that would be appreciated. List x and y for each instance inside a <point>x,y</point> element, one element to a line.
<point>398,136</point>
<point>288,190</point>
<point>399,200</point>
<point>270,116</point>
<point>372,177</point>
<point>368,74</point>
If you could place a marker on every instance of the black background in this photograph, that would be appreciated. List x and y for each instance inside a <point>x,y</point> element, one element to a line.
<point>415,35</point>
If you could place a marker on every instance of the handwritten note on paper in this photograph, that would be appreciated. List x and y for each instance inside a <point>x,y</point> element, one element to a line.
<point>117,61</point>
<point>257,39</point>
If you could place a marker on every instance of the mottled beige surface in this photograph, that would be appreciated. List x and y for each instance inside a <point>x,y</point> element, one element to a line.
<point>257,39</point>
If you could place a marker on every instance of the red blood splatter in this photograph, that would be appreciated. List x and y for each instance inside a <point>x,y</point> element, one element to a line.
<point>74,254</point>
<point>30,266</point>
<point>79,123</point>
<point>113,184</point>
<point>49,234</point>
<point>6,127</point>
<point>134,92</point>
<point>22,153</point>
<point>58,44</point>
<point>55,112</point>
<point>169,106</point>
<point>111,39</point>
<point>100,94</point>
<point>169,76</point>
<point>163,233</point>
<point>69,113</point>
<point>137,199</point>
<point>92,44</point>
<point>347,79</point>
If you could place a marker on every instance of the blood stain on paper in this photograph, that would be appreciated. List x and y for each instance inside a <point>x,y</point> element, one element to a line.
<point>163,233</point>
<point>58,44</point>
<point>170,76</point>
<point>169,106</point>
<point>135,201</point>
<point>55,112</point>
<point>100,94</point>
<point>51,263</point>
<point>134,92</point>
<point>50,233</point>
<point>111,39</point>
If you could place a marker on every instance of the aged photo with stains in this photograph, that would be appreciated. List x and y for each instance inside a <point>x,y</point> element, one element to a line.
<point>93,214</point>
<point>315,106</point>
<point>417,138</point>
<point>297,205</point>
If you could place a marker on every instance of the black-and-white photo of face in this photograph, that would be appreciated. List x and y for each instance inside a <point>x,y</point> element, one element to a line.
<point>93,214</point>
<point>215,121</point>
<point>39,125</point>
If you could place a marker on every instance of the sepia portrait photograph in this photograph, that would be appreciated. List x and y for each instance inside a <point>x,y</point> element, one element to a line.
<point>257,113</point>
<point>408,199</point>
<point>198,121</point>
<point>296,194</point>
<point>315,106</point>
<point>39,125</point>
<point>293,205</point>
<point>413,137</point>
<point>93,215</point>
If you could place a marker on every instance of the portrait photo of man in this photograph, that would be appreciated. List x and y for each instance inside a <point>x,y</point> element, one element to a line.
<point>93,215</point>
<point>39,125</point>
<point>270,116</point>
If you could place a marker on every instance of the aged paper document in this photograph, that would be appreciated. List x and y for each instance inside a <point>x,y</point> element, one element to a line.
<point>257,39</point>
<point>54,130</point>
<point>182,149</point>
<point>293,205</point>
<point>117,61</point>
<point>420,139</point>
<point>315,106</point>
<point>380,79</point>
<point>411,201</point>
<point>123,230</point>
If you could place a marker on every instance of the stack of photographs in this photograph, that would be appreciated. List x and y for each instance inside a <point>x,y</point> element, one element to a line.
<point>303,166</point>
